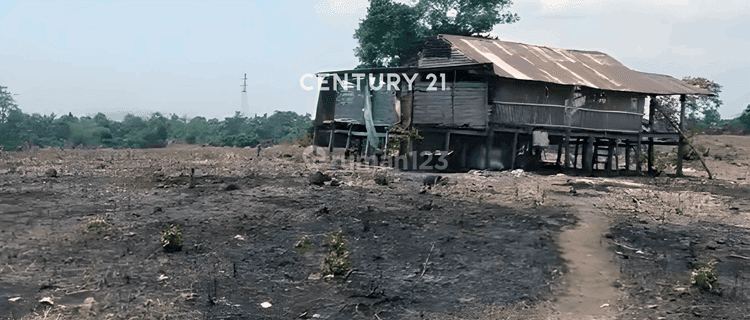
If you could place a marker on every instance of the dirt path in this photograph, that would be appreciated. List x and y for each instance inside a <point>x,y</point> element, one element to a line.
<point>587,290</point>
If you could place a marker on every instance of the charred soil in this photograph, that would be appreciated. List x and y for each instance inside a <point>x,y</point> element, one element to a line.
<point>87,242</point>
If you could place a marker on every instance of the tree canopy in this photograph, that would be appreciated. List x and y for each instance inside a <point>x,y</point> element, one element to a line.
<point>392,33</point>
<point>700,111</point>
<point>744,118</point>
<point>16,127</point>
<point>703,110</point>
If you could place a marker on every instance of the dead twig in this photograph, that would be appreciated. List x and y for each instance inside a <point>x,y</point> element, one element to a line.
<point>32,263</point>
<point>624,246</point>
<point>682,134</point>
<point>738,256</point>
<point>349,273</point>
<point>424,267</point>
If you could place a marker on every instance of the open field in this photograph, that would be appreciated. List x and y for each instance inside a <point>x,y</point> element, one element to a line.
<point>85,243</point>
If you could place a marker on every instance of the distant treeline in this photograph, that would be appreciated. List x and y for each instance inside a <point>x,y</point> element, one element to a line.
<point>17,127</point>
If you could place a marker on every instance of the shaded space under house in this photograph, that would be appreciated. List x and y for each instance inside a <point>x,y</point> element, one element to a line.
<point>495,104</point>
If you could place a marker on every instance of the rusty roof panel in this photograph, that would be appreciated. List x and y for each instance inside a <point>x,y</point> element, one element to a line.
<point>568,67</point>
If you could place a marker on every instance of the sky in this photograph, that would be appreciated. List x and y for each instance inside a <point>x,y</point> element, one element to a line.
<point>189,57</point>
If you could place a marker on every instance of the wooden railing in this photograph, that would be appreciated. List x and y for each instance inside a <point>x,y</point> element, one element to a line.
<point>547,115</point>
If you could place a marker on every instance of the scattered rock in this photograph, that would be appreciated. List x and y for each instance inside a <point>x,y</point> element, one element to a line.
<point>89,302</point>
<point>52,173</point>
<point>266,305</point>
<point>47,300</point>
<point>314,276</point>
<point>231,187</point>
<point>319,178</point>
<point>431,180</point>
<point>381,179</point>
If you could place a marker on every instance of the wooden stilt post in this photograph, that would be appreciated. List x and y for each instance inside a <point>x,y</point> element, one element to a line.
<point>617,157</point>
<point>610,153</point>
<point>567,149</point>
<point>490,138</point>
<point>575,154</point>
<point>447,141</point>
<point>514,151</point>
<point>588,159</point>
<point>627,155</point>
<point>638,155</point>
<point>651,112</point>
<point>330,139</point>
<point>315,141</point>
<point>348,140</point>
<point>385,146</point>
<point>681,146</point>
<point>559,154</point>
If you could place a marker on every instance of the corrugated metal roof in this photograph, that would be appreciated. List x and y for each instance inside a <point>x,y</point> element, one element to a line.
<point>568,67</point>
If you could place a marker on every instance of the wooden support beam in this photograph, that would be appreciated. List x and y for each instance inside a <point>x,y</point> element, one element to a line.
<point>385,146</point>
<point>638,156</point>
<point>514,151</point>
<point>627,155</point>
<point>559,154</point>
<point>315,141</point>
<point>681,146</point>
<point>348,141</point>
<point>588,159</point>
<point>490,140</point>
<point>575,154</point>
<point>567,149</point>
<point>651,112</point>
<point>617,157</point>
<point>610,153</point>
<point>447,141</point>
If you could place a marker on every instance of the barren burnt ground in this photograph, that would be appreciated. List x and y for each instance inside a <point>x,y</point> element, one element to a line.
<point>657,259</point>
<point>89,240</point>
<point>83,242</point>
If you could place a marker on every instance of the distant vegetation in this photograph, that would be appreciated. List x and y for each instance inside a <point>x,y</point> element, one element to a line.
<point>17,127</point>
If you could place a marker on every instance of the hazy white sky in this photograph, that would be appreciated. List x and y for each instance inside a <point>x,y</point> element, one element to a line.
<point>188,58</point>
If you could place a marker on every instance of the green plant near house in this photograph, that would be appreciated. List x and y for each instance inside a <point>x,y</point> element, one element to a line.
<point>705,276</point>
<point>662,161</point>
<point>171,238</point>
<point>399,136</point>
<point>303,245</point>
<point>337,261</point>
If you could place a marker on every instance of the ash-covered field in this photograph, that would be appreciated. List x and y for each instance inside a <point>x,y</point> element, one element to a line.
<point>81,231</point>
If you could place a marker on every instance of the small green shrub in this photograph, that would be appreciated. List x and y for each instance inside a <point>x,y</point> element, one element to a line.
<point>171,238</point>
<point>705,276</point>
<point>97,228</point>
<point>337,262</point>
<point>303,245</point>
<point>97,224</point>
